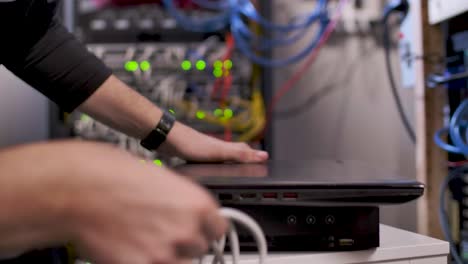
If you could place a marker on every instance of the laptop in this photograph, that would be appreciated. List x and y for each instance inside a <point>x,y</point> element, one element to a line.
<point>315,182</point>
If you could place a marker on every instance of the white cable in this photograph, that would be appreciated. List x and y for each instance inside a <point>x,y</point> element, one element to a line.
<point>238,217</point>
<point>251,225</point>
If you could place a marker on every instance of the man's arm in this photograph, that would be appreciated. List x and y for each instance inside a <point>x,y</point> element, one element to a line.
<point>54,62</point>
<point>122,108</point>
<point>45,55</point>
<point>119,106</point>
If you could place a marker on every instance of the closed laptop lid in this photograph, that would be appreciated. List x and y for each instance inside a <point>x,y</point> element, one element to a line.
<point>312,180</point>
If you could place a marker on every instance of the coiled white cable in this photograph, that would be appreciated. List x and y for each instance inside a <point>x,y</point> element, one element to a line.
<point>238,217</point>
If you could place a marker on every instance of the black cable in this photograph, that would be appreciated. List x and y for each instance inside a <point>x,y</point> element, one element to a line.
<point>391,78</point>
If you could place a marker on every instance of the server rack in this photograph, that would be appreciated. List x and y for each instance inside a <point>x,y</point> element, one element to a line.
<point>456,61</point>
<point>60,121</point>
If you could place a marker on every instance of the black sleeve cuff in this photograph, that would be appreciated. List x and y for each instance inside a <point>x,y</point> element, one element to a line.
<point>60,67</point>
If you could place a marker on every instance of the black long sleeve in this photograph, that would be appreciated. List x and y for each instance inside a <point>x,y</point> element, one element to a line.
<point>39,50</point>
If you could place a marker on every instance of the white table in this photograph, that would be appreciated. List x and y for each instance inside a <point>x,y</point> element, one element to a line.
<point>396,247</point>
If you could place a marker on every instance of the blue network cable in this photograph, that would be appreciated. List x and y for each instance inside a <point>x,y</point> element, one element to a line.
<point>457,130</point>
<point>246,8</point>
<point>442,144</point>
<point>458,126</point>
<point>263,43</point>
<point>214,5</point>
<point>215,23</point>
<point>243,45</point>
<point>234,13</point>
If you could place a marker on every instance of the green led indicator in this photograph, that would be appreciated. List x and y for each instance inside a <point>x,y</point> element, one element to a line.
<point>218,64</point>
<point>200,114</point>
<point>218,112</point>
<point>85,118</point>
<point>228,64</point>
<point>186,65</point>
<point>172,111</point>
<point>228,113</point>
<point>145,65</point>
<point>217,72</point>
<point>201,65</point>
<point>158,162</point>
<point>131,66</point>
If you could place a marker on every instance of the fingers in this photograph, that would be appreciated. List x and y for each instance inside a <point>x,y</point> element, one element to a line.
<point>196,248</point>
<point>214,226</point>
<point>241,152</point>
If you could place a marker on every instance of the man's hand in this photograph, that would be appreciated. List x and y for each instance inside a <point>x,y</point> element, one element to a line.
<point>192,145</point>
<point>128,212</point>
<point>111,207</point>
<point>120,107</point>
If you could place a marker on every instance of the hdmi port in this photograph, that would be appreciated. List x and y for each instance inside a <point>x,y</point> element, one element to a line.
<point>248,195</point>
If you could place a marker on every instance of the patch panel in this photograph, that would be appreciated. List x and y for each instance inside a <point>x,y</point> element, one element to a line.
<point>140,23</point>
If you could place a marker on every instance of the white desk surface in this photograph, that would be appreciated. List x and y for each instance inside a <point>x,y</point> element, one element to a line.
<point>395,244</point>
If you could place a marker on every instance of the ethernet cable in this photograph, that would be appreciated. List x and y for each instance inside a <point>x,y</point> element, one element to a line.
<point>233,13</point>
<point>212,24</point>
<point>243,45</point>
<point>214,5</point>
<point>244,37</point>
<point>457,130</point>
<point>251,225</point>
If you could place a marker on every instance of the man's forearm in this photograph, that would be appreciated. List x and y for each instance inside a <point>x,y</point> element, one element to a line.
<point>122,108</point>
<point>117,105</point>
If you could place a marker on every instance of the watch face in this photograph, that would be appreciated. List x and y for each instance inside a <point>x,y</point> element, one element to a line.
<point>158,135</point>
<point>166,123</point>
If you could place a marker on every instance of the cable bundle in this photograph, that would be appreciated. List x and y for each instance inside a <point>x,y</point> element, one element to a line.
<point>457,130</point>
<point>233,13</point>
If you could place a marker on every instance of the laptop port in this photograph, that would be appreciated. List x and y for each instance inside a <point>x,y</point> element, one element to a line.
<point>290,195</point>
<point>225,196</point>
<point>346,242</point>
<point>270,195</point>
<point>248,195</point>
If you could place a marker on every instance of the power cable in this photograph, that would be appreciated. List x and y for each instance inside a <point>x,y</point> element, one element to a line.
<point>401,7</point>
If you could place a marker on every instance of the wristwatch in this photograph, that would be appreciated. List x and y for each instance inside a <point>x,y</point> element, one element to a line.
<point>158,135</point>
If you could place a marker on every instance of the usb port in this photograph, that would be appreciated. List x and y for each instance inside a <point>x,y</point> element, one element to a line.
<point>346,242</point>
<point>290,195</point>
<point>270,195</point>
<point>225,196</point>
<point>248,195</point>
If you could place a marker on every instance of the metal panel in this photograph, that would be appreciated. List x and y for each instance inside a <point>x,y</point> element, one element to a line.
<point>23,112</point>
<point>440,10</point>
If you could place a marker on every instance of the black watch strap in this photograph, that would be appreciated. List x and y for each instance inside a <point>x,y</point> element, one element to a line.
<point>158,135</point>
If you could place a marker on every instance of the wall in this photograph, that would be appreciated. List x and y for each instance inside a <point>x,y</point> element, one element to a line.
<point>343,109</point>
<point>23,112</point>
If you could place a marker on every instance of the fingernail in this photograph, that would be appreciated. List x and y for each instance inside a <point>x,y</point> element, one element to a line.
<point>261,154</point>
